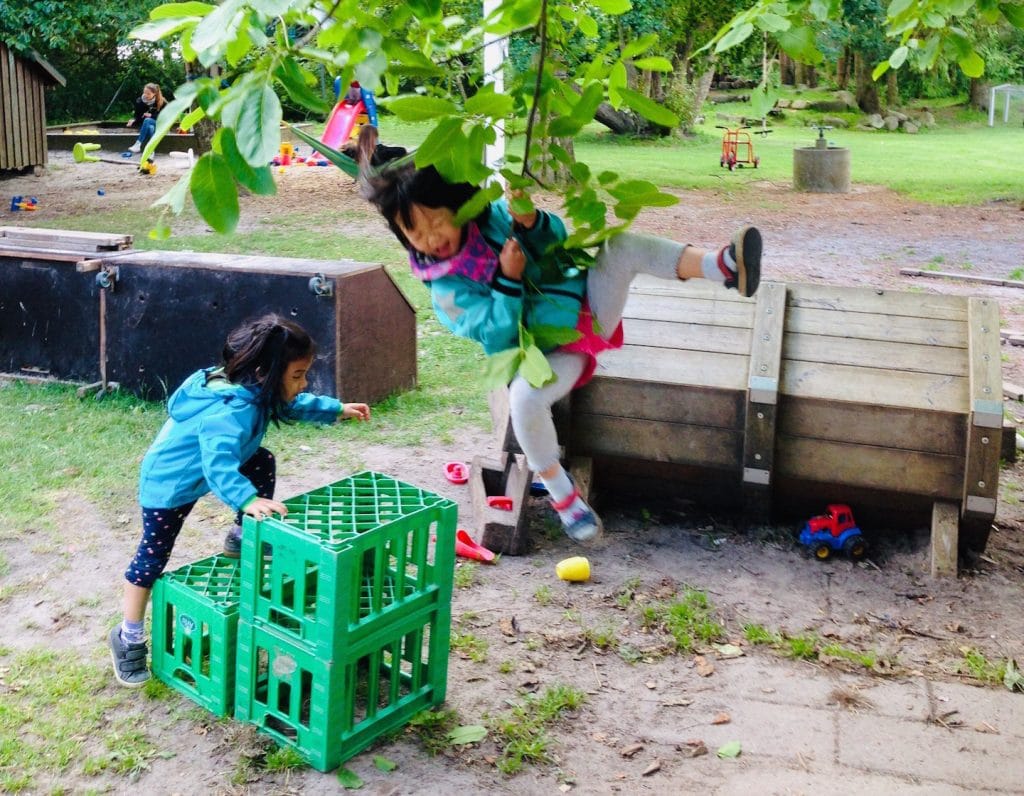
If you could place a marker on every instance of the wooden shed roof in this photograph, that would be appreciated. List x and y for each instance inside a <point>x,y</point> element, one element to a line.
<point>45,67</point>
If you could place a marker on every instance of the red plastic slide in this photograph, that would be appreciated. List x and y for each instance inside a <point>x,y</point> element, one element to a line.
<point>339,125</point>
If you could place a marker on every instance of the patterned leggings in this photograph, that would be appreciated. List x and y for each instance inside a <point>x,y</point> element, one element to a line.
<point>160,527</point>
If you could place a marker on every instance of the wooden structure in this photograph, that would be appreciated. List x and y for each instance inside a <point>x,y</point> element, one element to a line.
<point>807,394</point>
<point>23,81</point>
<point>82,306</point>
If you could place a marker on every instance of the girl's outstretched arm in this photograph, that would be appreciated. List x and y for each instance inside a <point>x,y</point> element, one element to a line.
<point>356,411</point>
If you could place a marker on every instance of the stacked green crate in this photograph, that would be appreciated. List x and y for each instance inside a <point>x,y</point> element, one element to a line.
<point>345,613</point>
<point>195,627</point>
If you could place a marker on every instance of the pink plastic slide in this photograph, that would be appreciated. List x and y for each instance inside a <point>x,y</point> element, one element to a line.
<point>339,125</point>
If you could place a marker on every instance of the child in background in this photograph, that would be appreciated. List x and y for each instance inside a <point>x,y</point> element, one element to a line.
<point>212,443</point>
<point>147,108</point>
<point>485,278</point>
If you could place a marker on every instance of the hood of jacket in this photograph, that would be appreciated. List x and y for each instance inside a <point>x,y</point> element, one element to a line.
<point>198,391</point>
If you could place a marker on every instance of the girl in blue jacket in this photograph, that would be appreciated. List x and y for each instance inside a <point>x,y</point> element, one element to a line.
<point>486,277</point>
<point>211,443</point>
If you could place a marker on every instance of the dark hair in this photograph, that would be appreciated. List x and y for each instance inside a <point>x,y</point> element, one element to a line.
<point>257,354</point>
<point>394,190</point>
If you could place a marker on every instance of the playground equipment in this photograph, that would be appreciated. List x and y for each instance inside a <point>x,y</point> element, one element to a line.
<point>821,168</point>
<point>779,403</point>
<point>738,147</point>
<point>81,151</point>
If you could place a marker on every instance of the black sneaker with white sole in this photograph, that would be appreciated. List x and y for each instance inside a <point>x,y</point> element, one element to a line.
<point>130,667</point>
<point>745,250</point>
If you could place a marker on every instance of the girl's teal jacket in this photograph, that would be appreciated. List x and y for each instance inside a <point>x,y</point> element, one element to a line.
<point>213,429</point>
<point>490,314</point>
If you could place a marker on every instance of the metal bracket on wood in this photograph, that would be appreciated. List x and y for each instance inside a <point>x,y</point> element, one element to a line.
<point>320,285</point>
<point>107,276</point>
<point>763,395</point>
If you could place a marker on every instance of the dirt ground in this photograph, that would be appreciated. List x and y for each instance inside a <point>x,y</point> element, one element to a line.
<point>546,629</point>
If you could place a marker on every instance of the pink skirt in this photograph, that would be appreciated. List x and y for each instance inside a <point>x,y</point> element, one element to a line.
<point>591,343</point>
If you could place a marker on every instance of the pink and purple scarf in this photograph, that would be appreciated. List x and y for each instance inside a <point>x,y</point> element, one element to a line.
<point>475,260</point>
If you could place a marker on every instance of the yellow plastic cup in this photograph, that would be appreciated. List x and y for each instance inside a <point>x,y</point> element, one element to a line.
<point>576,569</point>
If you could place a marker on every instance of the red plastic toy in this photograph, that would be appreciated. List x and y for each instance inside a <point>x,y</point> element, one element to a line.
<point>467,548</point>
<point>456,472</point>
<point>500,502</point>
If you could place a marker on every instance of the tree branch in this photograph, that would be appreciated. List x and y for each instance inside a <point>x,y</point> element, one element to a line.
<point>541,58</point>
<point>316,28</point>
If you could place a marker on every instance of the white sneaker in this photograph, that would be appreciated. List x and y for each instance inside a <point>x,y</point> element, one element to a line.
<point>136,148</point>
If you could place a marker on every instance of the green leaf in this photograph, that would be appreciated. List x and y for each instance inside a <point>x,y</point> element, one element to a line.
<point>216,29</point>
<point>799,44</point>
<point>259,180</point>
<point>773,23</point>
<point>349,779</point>
<point>501,368</point>
<point>161,29</point>
<point>271,8</point>
<point>383,764</point>
<point>823,10</point>
<point>418,109</point>
<point>613,7</point>
<point>467,733</point>
<point>565,126</point>
<point>487,103</point>
<point>162,231</point>
<point>477,202</point>
<point>214,192</point>
<point>972,65</point>
<point>175,197</point>
<point>548,337</point>
<point>1013,13</point>
<point>637,46</point>
<point>588,26</point>
<point>736,35</point>
<point>879,70</point>
<point>174,10</point>
<point>439,142</point>
<point>426,10</point>
<point>535,368</point>
<point>897,7</point>
<point>654,63</point>
<point>898,57</point>
<point>731,749</point>
<point>648,108</point>
<point>258,125</point>
<point>933,19</point>
<point>238,47</point>
<point>294,81</point>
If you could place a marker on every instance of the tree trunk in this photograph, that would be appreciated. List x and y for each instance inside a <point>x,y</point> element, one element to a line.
<point>811,76</point>
<point>786,76</point>
<point>620,122</point>
<point>843,70</point>
<point>892,89</point>
<point>205,128</point>
<point>867,92</point>
<point>980,94</point>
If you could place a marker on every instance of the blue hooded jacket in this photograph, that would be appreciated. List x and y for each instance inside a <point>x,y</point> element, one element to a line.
<point>490,314</point>
<point>213,429</point>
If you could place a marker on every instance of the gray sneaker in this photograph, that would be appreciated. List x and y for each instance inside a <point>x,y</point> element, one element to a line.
<point>233,542</point>
<point>130,667</point>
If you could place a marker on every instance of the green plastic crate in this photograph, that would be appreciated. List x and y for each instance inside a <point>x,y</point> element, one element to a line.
<point>195,629</point>
<point>332,709</point>
<point>348,556</point>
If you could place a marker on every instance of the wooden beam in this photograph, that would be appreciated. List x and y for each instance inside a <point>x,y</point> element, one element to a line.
<point>945,532</point>
<point>985,418</point>
<point>763,395</point>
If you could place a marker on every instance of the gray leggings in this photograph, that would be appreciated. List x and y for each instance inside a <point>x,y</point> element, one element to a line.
<point>608,283</point>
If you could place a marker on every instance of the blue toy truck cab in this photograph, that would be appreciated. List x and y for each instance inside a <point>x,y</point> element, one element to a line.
<point>834,530</point>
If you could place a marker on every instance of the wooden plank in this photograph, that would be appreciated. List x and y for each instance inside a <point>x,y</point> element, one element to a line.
<point>914,357</point>
<point>945,529</point>
<point>849,299</point>
<point>981,280</point>
<point>710,312</point>
<point>501,531</point>
<point>669,366</point>
<point>874,386</point>
<point>867,424</point>
<point>686,336</point>
<point>678,443</point>
<point>763,394</point>
<point>98,241</point>
<point>932,475</point>
<point>645,284</point>
<point>662,403</point>
<point>985,422</point>
<point>868,326</point>
<point>48,255</point>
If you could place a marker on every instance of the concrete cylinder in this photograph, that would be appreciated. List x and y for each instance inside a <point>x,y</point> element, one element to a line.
<point>821,169</point>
